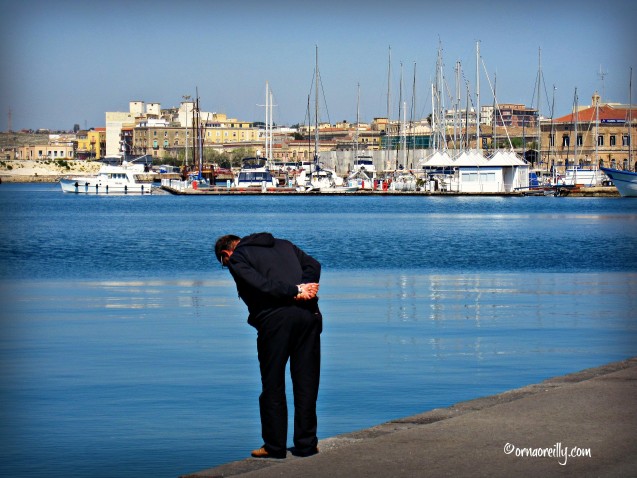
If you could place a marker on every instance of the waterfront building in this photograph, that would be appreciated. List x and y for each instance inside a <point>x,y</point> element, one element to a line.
<point>601,133</point>
<point>91,144</point>
<point>160,138</point>
<point>59,146</point>
<point>148,129</point>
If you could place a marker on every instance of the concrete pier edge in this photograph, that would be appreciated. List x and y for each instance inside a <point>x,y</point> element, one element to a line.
<point>420,420</point>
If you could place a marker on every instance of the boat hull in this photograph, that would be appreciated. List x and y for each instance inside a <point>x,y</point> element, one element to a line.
<point>624,181</point>
<point>97,185</point>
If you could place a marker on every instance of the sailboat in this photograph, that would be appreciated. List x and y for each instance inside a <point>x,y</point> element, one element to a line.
<point>577,175</point>
<point>319,178</point>
<point>363,169</point>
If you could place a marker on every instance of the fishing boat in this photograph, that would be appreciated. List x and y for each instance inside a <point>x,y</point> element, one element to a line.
<point>127,178</point>
<point>624,181</point>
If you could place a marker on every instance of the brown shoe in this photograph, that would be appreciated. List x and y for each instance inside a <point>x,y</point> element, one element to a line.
<point>263,453</point>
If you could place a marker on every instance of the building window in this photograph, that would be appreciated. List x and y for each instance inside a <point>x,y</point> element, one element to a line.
<point>165,143</point>
<point>612,140</point>
<point>580,140</point>
<point>566,141</point>
<point>551,140</point>
<point>165,134</point>
<point>600,140</point>
<point>626,140</point>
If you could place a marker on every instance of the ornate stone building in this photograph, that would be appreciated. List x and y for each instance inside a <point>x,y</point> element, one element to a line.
<point>599,134</point>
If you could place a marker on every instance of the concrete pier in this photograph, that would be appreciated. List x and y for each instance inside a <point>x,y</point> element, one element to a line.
<point>582,424</point>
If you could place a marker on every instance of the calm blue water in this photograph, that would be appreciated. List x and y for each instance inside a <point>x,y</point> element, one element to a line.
<point>124,349</point>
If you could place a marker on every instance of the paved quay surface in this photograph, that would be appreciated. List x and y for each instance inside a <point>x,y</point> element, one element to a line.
<point>537,430</point>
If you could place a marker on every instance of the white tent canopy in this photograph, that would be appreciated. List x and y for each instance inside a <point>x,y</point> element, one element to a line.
<point>506,158</point>
<point>439,160</point>
<point>471,158</point>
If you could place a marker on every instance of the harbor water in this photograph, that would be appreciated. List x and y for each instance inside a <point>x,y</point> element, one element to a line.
<point>125,350</point>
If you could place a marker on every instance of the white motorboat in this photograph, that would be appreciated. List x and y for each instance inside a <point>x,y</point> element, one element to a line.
<point>255,173</point>
<point>624,181</point>
<point>366,164</point>
<point>127,178</point>
<point>587,177</point>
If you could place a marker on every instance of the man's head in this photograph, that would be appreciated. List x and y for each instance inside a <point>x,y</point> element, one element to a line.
<point>224,247</point>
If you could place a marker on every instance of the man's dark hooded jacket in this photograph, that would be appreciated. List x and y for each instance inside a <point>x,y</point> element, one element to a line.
<point>267,271</point>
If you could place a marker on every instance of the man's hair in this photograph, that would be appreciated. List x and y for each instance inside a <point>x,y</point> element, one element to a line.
<point>225,243</point>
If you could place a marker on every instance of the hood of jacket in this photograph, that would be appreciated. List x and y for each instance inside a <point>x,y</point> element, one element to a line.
<point>260,239</point>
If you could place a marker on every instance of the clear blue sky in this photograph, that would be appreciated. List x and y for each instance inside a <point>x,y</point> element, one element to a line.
<point>67,61</point>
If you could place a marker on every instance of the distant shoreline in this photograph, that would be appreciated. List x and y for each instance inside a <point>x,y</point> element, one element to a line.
<point>44,171</point>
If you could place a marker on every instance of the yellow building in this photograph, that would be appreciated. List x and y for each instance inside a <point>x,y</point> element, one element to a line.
<point>219,129</point>
<point>91,144</point>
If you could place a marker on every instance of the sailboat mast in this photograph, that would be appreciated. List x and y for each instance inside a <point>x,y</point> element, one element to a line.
<point>433,118</point>
<point>413,115</point>
<point>576,118</point>
<point>387,127</point>
<point>267,119</point>
<point>316,111</point>
<point>478,95</point>
<point>539,89</point>
<point>597,99</point>
<point>271,154</point>
<point>358,100</point>
<point>457,107</point>
<point>630,120</point>
<point>552,137</point>
<point>400,114</point>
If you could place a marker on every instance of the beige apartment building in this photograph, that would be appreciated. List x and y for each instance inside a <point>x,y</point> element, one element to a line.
<point>58,147</point>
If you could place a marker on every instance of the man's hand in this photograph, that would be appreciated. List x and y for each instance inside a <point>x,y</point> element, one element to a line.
<point>307,291</point>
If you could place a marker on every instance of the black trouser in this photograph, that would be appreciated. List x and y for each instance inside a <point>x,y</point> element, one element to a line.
<point>294,333</point>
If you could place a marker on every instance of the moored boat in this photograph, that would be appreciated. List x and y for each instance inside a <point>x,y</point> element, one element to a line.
<point>578,176</point>
<point>127,178</point>
<point>624,181</point>
<point>255,173</point>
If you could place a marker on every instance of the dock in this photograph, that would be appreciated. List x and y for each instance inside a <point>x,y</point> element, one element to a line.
<point>221,190</point>
<point>577,425</point>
